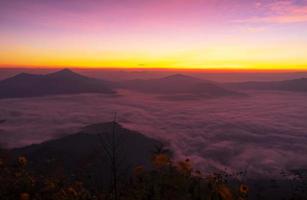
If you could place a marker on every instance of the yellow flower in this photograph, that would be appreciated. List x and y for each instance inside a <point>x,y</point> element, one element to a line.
<point>50,185</point>
<point>138,170</point>
<point>224,192</point>
<point>184,166</point>
<point>24,196</point>
<point>243,189</point>
<point>72,191</point>
<point>160,160</point>
<point>211,178</point>
<point>198,173</point>
<point>18,174</point>
<point>22,160</point>
<point>79,184</point>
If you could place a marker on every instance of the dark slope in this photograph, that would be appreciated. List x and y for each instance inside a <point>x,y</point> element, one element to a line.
<point>295,85</point>
<point>61,82</point>
<point>82,154</point>
<point>177,85</point>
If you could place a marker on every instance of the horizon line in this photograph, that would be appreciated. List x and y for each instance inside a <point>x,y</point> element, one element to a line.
<point>216,70</point>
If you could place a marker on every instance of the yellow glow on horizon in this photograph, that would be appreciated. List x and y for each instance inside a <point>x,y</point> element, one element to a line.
<point>212,58</point>
<point>155,34</point>
<point>219,54</point>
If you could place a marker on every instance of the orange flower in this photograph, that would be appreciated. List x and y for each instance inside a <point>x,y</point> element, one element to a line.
<point>160,160</point>
<point>138,170</point>
<point>198,173</point>
<point>18,174</point>
<point>50,185</point>
<point>211,178</point>
<point>224,192</point>
<point>184,166</point>
<point>22,160</point>
<point>24,196</point>
<point>72,191</point>
<point>243,189</point>
<point>79,184</point>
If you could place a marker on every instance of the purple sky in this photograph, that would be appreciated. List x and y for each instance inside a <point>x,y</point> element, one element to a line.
<point>215,34</point>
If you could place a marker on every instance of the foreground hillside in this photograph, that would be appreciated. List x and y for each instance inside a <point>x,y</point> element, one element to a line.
<point>106,162</point>
<point>83,153</point>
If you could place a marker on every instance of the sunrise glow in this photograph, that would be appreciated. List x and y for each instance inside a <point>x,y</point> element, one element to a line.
<point>184,34</point>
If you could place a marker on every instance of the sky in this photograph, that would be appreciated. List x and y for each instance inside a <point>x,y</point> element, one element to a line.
<point>176,34</point>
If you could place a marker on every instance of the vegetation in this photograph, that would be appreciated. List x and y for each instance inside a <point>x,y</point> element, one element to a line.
<point>167,180</point>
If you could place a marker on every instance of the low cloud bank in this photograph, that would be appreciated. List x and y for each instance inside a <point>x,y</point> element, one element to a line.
<point>263,134</point>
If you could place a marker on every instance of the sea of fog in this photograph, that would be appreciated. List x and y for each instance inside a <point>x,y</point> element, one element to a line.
<point>263,133</point>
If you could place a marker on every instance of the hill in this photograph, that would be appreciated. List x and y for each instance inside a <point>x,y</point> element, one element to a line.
<point>85,154</point>
<point>61,82</point>
<point>178,85</point>
<point>294,85</point>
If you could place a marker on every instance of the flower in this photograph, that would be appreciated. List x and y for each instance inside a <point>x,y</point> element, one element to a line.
<point>160,160</point>
<point>184,166</point>
<point>22,160</point>
<point>138,170</point>
<point>18,174</point>
<point>243,189</point>
<point>50,185</point>
<point>224,192</point>
<point>24,196</point>
<point>72,191</point>
<point>78,184</point>
<point>198,173</point>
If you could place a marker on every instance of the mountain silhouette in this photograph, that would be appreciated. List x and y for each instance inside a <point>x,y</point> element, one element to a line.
<point>60,82</point>
<point>177,84</point>
<point>294,85</point>
<point>83,153</point>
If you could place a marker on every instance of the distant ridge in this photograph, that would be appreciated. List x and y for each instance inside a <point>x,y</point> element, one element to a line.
<point>66,73</point>
<point>181,77</point>
<point>61,82</point>
<point>178,84</point>
<point>294,85</point>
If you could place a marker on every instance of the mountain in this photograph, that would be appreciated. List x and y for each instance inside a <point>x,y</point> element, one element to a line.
<point>295,85</point>
<point>85,153</point>
<point>178,85</point>
<point>61,82</point>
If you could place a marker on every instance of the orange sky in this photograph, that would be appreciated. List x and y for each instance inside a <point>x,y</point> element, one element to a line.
<point>174,34</point>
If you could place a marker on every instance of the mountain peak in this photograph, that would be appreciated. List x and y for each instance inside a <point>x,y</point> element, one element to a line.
<point>179,76</point>
<point>22,76</point>
<point>65,73</point>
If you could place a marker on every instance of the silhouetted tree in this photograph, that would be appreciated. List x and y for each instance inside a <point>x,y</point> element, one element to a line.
<point>111,143</point>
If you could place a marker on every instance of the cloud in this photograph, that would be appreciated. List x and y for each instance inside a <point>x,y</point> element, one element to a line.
<point>254,29</point>
<point>263,133</point>
<point>280,12</point>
